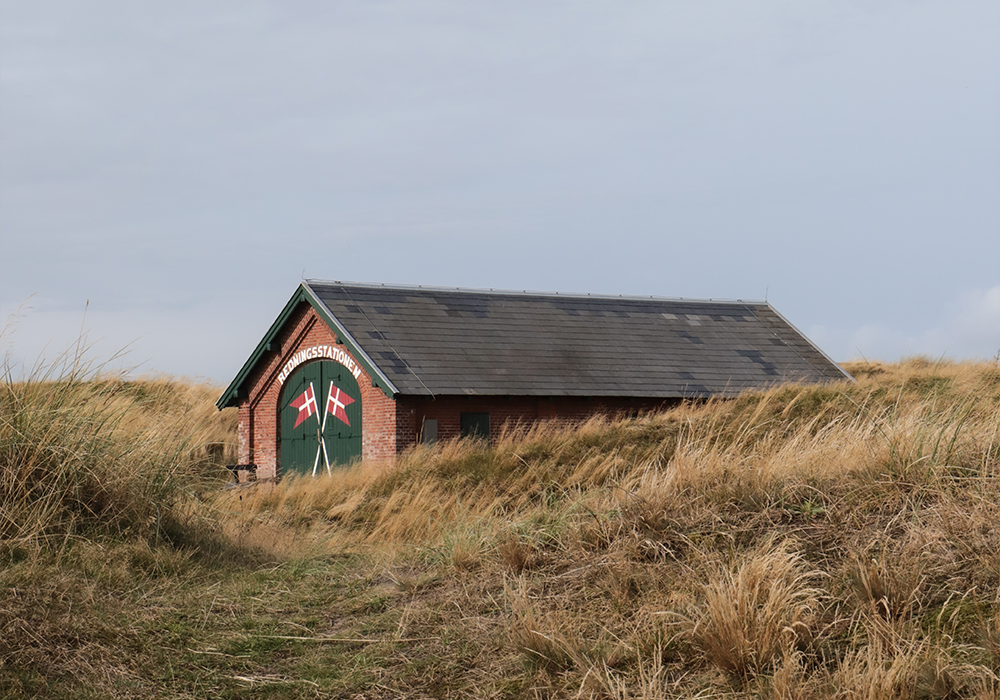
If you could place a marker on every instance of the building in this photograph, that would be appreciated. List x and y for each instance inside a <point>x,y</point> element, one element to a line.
<point>352,371</point>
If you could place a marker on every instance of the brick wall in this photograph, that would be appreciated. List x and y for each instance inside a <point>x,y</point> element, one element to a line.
<point>258,412</point>
<point>523,410</point>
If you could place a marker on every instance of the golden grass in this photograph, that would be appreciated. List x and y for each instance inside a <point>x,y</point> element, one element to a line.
<point>758,611</point>
<point>839,541</point>
<point>936,425</point>
<point>81,455</point>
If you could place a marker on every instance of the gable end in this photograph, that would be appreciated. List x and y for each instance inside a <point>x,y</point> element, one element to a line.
<point>303,295</point>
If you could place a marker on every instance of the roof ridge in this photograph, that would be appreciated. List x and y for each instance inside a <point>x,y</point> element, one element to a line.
<point>531,293</point>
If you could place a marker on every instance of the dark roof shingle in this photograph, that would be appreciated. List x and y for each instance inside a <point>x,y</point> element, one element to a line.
<point>457,341</point>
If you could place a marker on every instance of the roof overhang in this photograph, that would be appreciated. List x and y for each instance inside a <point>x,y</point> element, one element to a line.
<point>303,295</point>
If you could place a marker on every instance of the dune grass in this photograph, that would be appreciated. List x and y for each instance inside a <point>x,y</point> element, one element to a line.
<point>90,455</point>
<point>840,541</point>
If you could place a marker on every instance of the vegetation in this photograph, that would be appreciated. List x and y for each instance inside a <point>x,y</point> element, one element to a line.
<point>840,541</point>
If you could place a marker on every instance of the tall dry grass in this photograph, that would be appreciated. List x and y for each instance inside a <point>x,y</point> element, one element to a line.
<point>758,611</point>
<point>87,453</point>
<point>832,541</point>
<point>838,541</point>
<point>936,426</point>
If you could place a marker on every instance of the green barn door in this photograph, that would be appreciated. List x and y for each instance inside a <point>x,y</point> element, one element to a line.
<point>320,419</point>
<point>342,397</point>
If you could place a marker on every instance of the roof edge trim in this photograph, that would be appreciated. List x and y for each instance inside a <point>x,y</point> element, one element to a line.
<point>303,294</point>
<point>532,293</point>
<point>383,382</point>
<point>816,347</point>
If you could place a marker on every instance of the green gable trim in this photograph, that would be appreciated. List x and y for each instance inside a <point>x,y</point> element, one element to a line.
<point>378,376</point>
<point>236,390</point>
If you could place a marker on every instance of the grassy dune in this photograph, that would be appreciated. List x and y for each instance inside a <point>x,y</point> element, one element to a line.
<point>804,542</point>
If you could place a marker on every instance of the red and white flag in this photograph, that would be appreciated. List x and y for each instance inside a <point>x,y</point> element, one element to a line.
<point>306,403</point>
<point>336,403</point>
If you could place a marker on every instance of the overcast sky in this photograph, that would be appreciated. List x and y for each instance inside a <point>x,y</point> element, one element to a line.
<point>183,165</point>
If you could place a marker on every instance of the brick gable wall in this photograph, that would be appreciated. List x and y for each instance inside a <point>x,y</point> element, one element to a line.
<point>258,412</point>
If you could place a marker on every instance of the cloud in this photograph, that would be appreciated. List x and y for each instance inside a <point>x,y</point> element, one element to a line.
<point>977,317</point>
<point>969,328</point>
<point>181,166</point>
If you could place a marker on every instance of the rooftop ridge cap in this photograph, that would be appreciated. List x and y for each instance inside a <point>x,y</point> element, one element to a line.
<point>532,293</point>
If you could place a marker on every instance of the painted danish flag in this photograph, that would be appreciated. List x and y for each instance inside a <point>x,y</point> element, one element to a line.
<point>306,403</point>
<point>336,403</point>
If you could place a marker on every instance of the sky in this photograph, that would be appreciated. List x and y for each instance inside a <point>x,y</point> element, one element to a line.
<point>169,172</point>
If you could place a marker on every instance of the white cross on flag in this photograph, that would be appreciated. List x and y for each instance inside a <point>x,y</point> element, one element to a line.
<point>306,403</point>
<point>336,402</point>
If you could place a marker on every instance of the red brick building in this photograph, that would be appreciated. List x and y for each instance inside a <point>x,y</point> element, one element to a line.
<point>352,371</point>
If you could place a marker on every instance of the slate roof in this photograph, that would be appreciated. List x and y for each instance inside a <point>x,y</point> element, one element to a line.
<point>433,341</point>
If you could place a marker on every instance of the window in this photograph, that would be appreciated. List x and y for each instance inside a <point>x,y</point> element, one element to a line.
<point>476,425</point>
